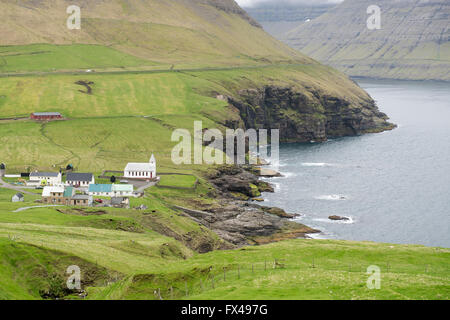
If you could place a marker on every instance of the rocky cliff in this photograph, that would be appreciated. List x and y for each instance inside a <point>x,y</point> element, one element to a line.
<point>308,117</point>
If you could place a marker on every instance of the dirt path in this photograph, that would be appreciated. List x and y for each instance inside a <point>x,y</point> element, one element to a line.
<point>79,72</point>
<point>33,207</point>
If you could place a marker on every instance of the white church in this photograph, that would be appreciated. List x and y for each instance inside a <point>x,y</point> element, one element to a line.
<point>141,170</point>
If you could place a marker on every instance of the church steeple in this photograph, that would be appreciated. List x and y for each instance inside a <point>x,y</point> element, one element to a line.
<point>152,159</point>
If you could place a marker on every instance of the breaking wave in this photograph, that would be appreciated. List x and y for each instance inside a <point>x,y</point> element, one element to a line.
<point>332,197</point>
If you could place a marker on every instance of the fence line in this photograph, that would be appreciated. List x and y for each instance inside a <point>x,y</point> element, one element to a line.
<point>227,274</point>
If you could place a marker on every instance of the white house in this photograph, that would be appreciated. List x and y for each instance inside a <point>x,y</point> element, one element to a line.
<point>76,179</point>
<point>142,171</point>
<point>18,197</point>
<point>44,178</point>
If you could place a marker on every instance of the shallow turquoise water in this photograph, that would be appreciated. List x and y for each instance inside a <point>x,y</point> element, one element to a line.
<point>394,186</point>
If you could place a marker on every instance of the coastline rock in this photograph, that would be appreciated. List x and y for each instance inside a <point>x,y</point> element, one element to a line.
<point>268,173</point>
<point>306,114</point>
<point>278,212</point>
<point>338,218</point>
<point>241,222</point>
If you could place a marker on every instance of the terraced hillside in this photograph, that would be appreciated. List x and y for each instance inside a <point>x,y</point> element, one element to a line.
<point>413,42</point>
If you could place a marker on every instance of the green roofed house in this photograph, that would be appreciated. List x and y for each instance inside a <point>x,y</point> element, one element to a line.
<point>122,190</point>
<point>103,190</point>
<point>69,192</point>
<point>111,190</point>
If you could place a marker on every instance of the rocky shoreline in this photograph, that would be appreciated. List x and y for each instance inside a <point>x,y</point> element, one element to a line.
<point>237,220</point>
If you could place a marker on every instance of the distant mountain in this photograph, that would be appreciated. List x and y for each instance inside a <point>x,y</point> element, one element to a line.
<point>278,19</point>
<point>413,42</point>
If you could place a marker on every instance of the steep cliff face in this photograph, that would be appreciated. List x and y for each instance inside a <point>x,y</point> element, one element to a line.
<point>412,43</point>
<point>303,118</point>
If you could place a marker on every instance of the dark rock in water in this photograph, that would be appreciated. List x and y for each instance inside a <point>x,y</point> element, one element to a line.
<point>338,218</point>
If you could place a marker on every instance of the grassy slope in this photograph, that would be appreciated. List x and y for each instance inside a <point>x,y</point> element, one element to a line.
<point>339,273</point>
<point>122,243</point>
<point>194,33</point>
<point>97,134</point>
<point>47,57</point>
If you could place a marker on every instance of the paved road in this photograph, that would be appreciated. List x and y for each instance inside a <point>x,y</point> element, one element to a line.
<point>6,185</point>
<point>27,208</point>
<point>146,186</point>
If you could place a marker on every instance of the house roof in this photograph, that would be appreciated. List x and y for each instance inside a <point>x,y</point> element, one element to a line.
<point>68,192</point>
<point>46,113</point>
<point>81,197</point>
<point>122,188</point>
<point>44,174</point>
<point>18,195</point>
<point>48,190</point>
<point>100,188</point>
<point>76,176</point>
<point>140,167</point>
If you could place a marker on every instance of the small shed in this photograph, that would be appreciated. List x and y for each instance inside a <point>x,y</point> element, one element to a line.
<point>45,116</point>
<point>18,197</point>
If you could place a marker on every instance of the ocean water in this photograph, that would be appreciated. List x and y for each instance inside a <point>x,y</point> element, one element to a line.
<point>393,186</point>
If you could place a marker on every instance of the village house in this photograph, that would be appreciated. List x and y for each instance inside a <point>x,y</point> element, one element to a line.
<point>61,195</point>
<point>111,190</point>
<point>120,202</point>
<point>57,195</point>
<point>18,197</point>
<point>44,178</point>
<point>81,200</point>
<point>76,179</point>
<point>141,171</point>
<point>45,116</point>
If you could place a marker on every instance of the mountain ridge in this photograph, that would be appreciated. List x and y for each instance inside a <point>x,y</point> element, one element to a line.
<point>413,42</point>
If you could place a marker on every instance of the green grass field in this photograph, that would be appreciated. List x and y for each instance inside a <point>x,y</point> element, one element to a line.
<point>128,254</point>
<point>48,58</point>
<point>180,181</point>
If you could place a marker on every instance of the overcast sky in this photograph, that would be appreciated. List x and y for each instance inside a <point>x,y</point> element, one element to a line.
<point>250,3</point>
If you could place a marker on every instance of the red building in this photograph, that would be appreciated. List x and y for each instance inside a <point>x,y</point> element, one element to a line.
<point>45,116</point>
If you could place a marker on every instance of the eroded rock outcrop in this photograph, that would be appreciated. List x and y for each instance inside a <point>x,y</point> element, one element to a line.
<point>307,116</point>
<point>239,221</point>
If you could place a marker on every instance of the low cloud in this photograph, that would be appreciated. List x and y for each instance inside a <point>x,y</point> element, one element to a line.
<point>252,3</point>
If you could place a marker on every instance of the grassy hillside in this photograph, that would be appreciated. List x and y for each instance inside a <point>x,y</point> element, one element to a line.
<point>47,57</point>
<point>411,44</point>
<point>182,33</point>
<point>97,135</point>
<point>138,266</point>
